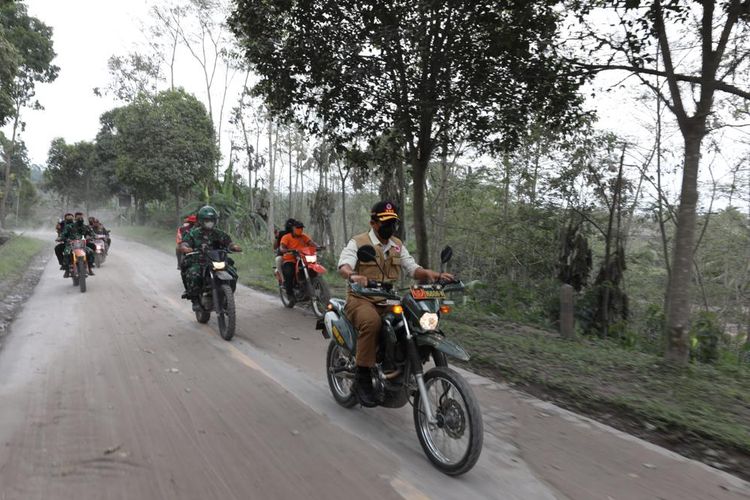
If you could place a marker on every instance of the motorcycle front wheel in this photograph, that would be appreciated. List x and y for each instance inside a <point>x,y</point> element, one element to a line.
<point>454,442</point>
<point>319,296</point>
<point>82,276</point>
<point>98,260</point>
<point>339,371</point>
<point>227,318</point>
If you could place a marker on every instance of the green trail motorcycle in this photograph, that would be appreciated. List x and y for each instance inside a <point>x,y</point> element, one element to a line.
<point>447,416</point>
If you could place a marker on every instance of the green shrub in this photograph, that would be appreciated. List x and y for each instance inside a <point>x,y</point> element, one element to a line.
<point>705,336</point>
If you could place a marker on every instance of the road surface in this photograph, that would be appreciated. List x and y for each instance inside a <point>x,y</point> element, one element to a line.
<point>120,394</point>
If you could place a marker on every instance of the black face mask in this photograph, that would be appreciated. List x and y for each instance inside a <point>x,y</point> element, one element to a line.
<point>386,231</point>
<point>79,222</point>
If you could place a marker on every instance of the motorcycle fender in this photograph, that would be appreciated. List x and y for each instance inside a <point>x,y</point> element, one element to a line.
<point>338,305</point>
<point>317,268</point>
<point>340,330</point>
<point>443,345</point>
<point>223,276</point>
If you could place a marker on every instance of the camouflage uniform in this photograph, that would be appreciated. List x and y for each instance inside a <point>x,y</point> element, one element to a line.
<point>74,231</point>
<point>214,239</point>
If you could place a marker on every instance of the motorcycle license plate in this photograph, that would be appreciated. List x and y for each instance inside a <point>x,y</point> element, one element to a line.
<point>422,294</point>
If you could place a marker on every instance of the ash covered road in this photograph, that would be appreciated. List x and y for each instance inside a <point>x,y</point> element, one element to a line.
<point>120,394</point>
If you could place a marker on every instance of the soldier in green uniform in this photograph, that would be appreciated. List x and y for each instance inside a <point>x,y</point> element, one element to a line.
<point>60,247</point>
<point>205,233</point>
<point>77,231</point>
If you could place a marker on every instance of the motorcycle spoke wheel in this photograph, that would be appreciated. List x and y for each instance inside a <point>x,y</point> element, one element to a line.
<point>82,276</point>
<point>227,317</point>
<point>202,316</point>
<point>319,297</point>
<point>453,441</point>
<point>288,302</point>
<point>340,383</point>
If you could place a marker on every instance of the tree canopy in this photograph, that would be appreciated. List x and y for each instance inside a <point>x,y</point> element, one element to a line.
<point>159,145</point>
<point>434,71</point>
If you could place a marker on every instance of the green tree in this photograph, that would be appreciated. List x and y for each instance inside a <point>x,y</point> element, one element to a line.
<point>73,172</point>
<point>428,69</point>
<point>722,29</point>
<point>160,145</point>
<point>27,42</point>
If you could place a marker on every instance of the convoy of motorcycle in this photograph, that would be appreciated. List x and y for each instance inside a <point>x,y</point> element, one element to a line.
<point>101,249</point>
<point>309,285</point>
<point>446,412</point>
<point>219,285</point>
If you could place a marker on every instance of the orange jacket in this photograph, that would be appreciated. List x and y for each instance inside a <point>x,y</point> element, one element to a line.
<point>291,242</point>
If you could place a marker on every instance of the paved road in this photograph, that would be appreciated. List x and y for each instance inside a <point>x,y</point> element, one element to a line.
<point>119,394</point>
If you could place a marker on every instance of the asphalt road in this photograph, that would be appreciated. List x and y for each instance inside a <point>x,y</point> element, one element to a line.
<point>120,394</point>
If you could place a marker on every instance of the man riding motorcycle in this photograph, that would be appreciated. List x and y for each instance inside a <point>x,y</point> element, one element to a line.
<point>280,233</point>
<point>77,231</point>
<point>182,231</point>
<point>365,315</point>
<point>205,233</point>
<point>60,247</point>
<point>98,228</point>
<point>294,240</point>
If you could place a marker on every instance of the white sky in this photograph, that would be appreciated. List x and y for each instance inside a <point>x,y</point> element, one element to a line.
<point>88,32</point>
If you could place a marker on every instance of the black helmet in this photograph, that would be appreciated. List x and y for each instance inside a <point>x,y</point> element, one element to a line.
<point>289,224</point>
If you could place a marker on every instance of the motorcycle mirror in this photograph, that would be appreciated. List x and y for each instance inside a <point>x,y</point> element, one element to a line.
<point>366,253</point>
<point>446,254</point>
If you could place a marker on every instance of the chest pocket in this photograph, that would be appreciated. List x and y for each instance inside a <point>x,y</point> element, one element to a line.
<point>393,267</point>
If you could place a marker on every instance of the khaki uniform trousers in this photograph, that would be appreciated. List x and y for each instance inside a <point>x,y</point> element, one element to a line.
<point>366,318</point>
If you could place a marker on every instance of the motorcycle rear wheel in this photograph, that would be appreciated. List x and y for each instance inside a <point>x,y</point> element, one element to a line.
<point>82,276</point>
<point>227,318</point>
<point>288,302</point>
<point>340,383</point>
<point>459,421</point>
<point>202,316</point>
<point>319,296</point>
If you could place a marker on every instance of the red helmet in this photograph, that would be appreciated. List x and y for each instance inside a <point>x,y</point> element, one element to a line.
<point>191,219</point>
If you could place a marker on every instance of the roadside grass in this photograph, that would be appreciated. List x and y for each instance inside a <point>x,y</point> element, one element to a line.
<point>16,254</point>
<point>709,405</point>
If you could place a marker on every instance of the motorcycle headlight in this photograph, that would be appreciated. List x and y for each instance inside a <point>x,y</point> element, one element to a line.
<point>311,258</point>
<point>429,321</point>
<point>218,266</point>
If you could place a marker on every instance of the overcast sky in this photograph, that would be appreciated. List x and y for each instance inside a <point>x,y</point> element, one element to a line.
<point>86,34</point>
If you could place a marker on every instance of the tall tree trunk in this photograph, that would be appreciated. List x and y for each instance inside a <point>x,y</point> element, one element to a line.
<point>271,177</point>
<point>441,205</point>
<point>678,292</point>
<point>177,205</point>
<point>291,205</point>
<point>506,185</point>
<point>9,152</point>
<point>419,171</point>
